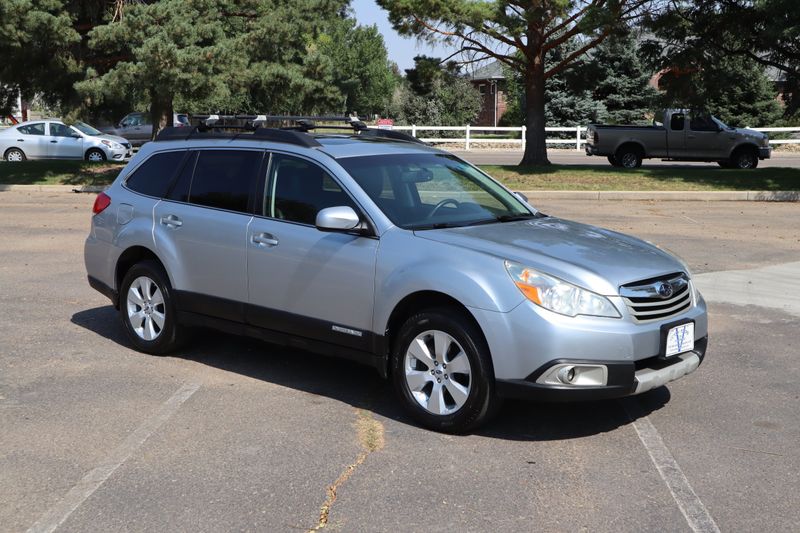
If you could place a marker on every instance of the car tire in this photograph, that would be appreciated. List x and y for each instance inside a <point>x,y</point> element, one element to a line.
<point>14,155</point>
<point>613,161</point>
<point>744,159</point>
<point>454,400</point>
<point>629,157</point>
<point>96,155</point>
<point>147,309</point>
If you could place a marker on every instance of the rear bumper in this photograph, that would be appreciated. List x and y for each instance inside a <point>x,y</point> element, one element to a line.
<point>590,149</point>
<point>104,289</point>
<point>765,152</point>
<point>624,378</point>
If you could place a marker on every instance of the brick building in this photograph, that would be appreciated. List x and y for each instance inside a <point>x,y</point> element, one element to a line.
<point>491,83</point>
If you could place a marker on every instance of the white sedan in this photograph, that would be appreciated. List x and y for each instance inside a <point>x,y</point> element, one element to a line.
<point>52,139</point>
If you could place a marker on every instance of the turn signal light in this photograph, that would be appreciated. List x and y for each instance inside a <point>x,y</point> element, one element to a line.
<point>100,203</point>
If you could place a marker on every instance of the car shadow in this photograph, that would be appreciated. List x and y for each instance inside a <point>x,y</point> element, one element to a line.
<point>362,388</point>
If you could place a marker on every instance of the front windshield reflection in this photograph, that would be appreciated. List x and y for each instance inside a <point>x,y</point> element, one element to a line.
<point>429,191</point>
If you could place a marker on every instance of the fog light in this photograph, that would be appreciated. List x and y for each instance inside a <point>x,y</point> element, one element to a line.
<point>566,374</point>
<point>575,375</point>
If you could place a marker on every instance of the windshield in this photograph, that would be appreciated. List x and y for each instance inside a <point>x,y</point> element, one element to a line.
<point>721,124</point>
<point>428,191</point>
<point>86,129</point>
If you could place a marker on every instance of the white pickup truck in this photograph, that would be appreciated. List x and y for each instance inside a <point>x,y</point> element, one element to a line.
<point>683,135</point>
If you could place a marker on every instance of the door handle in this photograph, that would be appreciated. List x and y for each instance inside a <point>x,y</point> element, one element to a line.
<point>20,140</point>
<point>264,239</point>
<point>54,142</point>
<point>171,221</point>
<point>691,136</point>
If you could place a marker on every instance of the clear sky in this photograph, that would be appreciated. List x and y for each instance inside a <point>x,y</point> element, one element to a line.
<point>401,49</point>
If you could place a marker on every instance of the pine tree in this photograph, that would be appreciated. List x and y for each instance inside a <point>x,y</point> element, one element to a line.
<point>616,76</point>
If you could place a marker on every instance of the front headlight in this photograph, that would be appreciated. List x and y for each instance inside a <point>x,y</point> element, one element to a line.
<point>557,295</point>
<point>112,144</point>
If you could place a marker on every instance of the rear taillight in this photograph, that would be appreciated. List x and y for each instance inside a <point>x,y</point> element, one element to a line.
<point>101,202</point>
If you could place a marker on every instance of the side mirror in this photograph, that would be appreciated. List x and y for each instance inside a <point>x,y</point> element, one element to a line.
<point>340,218</point>
<point>75,135</point>
<point>521,196</point>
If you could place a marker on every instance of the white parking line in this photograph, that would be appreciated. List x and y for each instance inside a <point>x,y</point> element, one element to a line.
<point>692,508</point>
<point>57,514</point>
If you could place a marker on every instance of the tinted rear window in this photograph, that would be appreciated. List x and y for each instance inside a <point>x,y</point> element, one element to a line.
<point>32,129</point>
<point>225,179</point>
<point>154,175</point>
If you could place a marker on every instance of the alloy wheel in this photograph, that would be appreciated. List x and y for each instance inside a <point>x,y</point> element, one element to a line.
<point>15,156</point>
<point>437,372</point>
<point>146,309</point>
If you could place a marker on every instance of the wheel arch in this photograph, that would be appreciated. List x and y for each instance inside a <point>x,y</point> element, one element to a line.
<point>629,143</point>
<point>14,148</point>
<point>746,145</point>
<point>421,300</point>
<point>94,149</point>
<point>131,256</point>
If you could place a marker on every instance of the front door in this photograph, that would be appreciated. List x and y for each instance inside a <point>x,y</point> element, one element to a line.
<point>303,281</point>
<point>64,143</point>
<point>705,140</point>
<point>201,227</point>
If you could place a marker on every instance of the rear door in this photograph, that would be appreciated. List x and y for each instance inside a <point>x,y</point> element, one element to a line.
<point>32,139</point>
<point>303,281</point>
<point>63,142</point>
<point>676,135</point>
<point>200,229</point>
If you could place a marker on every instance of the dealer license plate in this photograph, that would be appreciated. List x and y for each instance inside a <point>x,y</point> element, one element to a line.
<point>680,339</point>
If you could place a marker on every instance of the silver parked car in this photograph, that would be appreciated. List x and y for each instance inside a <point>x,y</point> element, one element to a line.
<point>394,254</point>
<point>52,139</point>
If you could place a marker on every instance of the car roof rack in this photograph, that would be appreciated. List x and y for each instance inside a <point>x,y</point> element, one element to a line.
<point>253,127</point>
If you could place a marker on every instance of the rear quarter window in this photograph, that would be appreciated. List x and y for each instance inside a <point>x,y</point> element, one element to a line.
<point>154,176</point>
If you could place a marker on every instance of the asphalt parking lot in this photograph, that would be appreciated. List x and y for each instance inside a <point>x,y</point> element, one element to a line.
<point>233,434</point>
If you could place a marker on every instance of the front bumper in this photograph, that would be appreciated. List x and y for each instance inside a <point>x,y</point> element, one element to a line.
<point>765,152</point>
<point>624,378</point>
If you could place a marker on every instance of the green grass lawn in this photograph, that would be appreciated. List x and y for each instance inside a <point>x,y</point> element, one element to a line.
<point>608,178</point>
<point>554,177</point>
<point>56,172</point>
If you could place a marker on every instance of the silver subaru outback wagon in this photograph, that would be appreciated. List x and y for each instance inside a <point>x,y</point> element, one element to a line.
<point>394,254</point>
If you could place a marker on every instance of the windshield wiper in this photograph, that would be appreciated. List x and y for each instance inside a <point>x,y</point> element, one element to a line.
<point>512,218</point>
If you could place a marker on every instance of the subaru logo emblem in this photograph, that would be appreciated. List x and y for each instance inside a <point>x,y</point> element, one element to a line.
<point>664,290</point>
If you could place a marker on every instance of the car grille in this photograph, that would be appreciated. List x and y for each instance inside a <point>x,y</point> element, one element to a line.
<point>657,298</point>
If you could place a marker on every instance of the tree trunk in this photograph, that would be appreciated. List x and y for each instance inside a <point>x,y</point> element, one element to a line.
<point>535,146</point>
<point>160,112</point>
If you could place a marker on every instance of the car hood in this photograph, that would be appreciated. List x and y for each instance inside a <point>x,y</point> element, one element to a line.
<point>109,137</point>
<point>751,133</point>
<point>598,259</point>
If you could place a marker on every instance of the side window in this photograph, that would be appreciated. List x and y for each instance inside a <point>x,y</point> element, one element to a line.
<point>300,189</point>
<point>676,122</point>
<point>702,122</point>
<point>154,175</point>
<point>225,179</point>
<point>32,129</point>
<point>60,130</point>
<point>180,191</point>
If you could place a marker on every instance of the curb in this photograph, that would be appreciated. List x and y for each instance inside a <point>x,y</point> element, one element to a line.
<point>704,196</point>
<point>54,188</point>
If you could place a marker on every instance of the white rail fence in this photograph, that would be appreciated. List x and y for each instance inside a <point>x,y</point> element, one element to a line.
<point>517,135</point>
